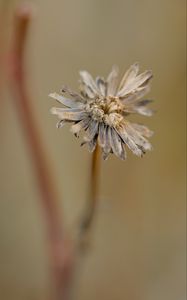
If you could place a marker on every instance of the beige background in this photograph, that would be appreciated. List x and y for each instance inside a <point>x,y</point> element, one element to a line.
<point>138,248</point>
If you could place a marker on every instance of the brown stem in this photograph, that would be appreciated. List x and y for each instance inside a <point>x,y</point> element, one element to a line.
<point>87,219</point>
<point>60,248</point>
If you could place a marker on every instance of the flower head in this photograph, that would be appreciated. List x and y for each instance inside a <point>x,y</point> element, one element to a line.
<point>101,109</point>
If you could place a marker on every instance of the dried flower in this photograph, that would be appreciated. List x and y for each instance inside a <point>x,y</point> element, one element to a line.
<point>101,109</point>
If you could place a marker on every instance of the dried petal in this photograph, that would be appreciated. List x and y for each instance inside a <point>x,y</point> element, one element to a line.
<point>68,115</point>
<point>123,153</point>
<point>87,92</point>
<point>76,128</point>
<point>129,141</point>
<point>101,136</point>
<point>143,130</point>
<point>60,124</point>
<point>92,144</point>
<point>138,138</point>
<point>142,110</point>
<point>138,82</point>
<point>107,147</point>
<point>89,82</point>
<point>112,81</point>
<point>115,142</point>
<point>134,97</point>
<point>74,95</point>
<point>92,130</point>
<point>101,85</point>
<point>129,75</point>
<point>67,102</point>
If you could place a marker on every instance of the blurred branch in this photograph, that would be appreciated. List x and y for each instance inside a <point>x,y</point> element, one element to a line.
<point>3,42</point>
<point>60,247</point>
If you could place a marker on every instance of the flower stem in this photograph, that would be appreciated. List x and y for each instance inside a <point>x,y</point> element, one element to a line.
<point>88,216</point>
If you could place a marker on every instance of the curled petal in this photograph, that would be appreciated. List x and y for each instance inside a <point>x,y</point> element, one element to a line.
<point>82,125</point>
<point>60,124</point>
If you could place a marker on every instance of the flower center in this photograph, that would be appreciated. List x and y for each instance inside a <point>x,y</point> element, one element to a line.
<point>108,110</point>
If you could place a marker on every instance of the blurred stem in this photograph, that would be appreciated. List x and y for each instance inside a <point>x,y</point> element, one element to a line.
<point>60,247</point>
<point>4,10</point>
<point>91,205</point>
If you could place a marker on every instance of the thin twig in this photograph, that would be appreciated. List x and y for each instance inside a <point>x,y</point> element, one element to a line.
<point>60,247</point>
<point>89,213</point>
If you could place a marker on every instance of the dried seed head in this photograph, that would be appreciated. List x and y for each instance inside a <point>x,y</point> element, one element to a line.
<point>101,109</point>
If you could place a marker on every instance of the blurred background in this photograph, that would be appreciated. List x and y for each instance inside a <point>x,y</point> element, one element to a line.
<point>138,245</point>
